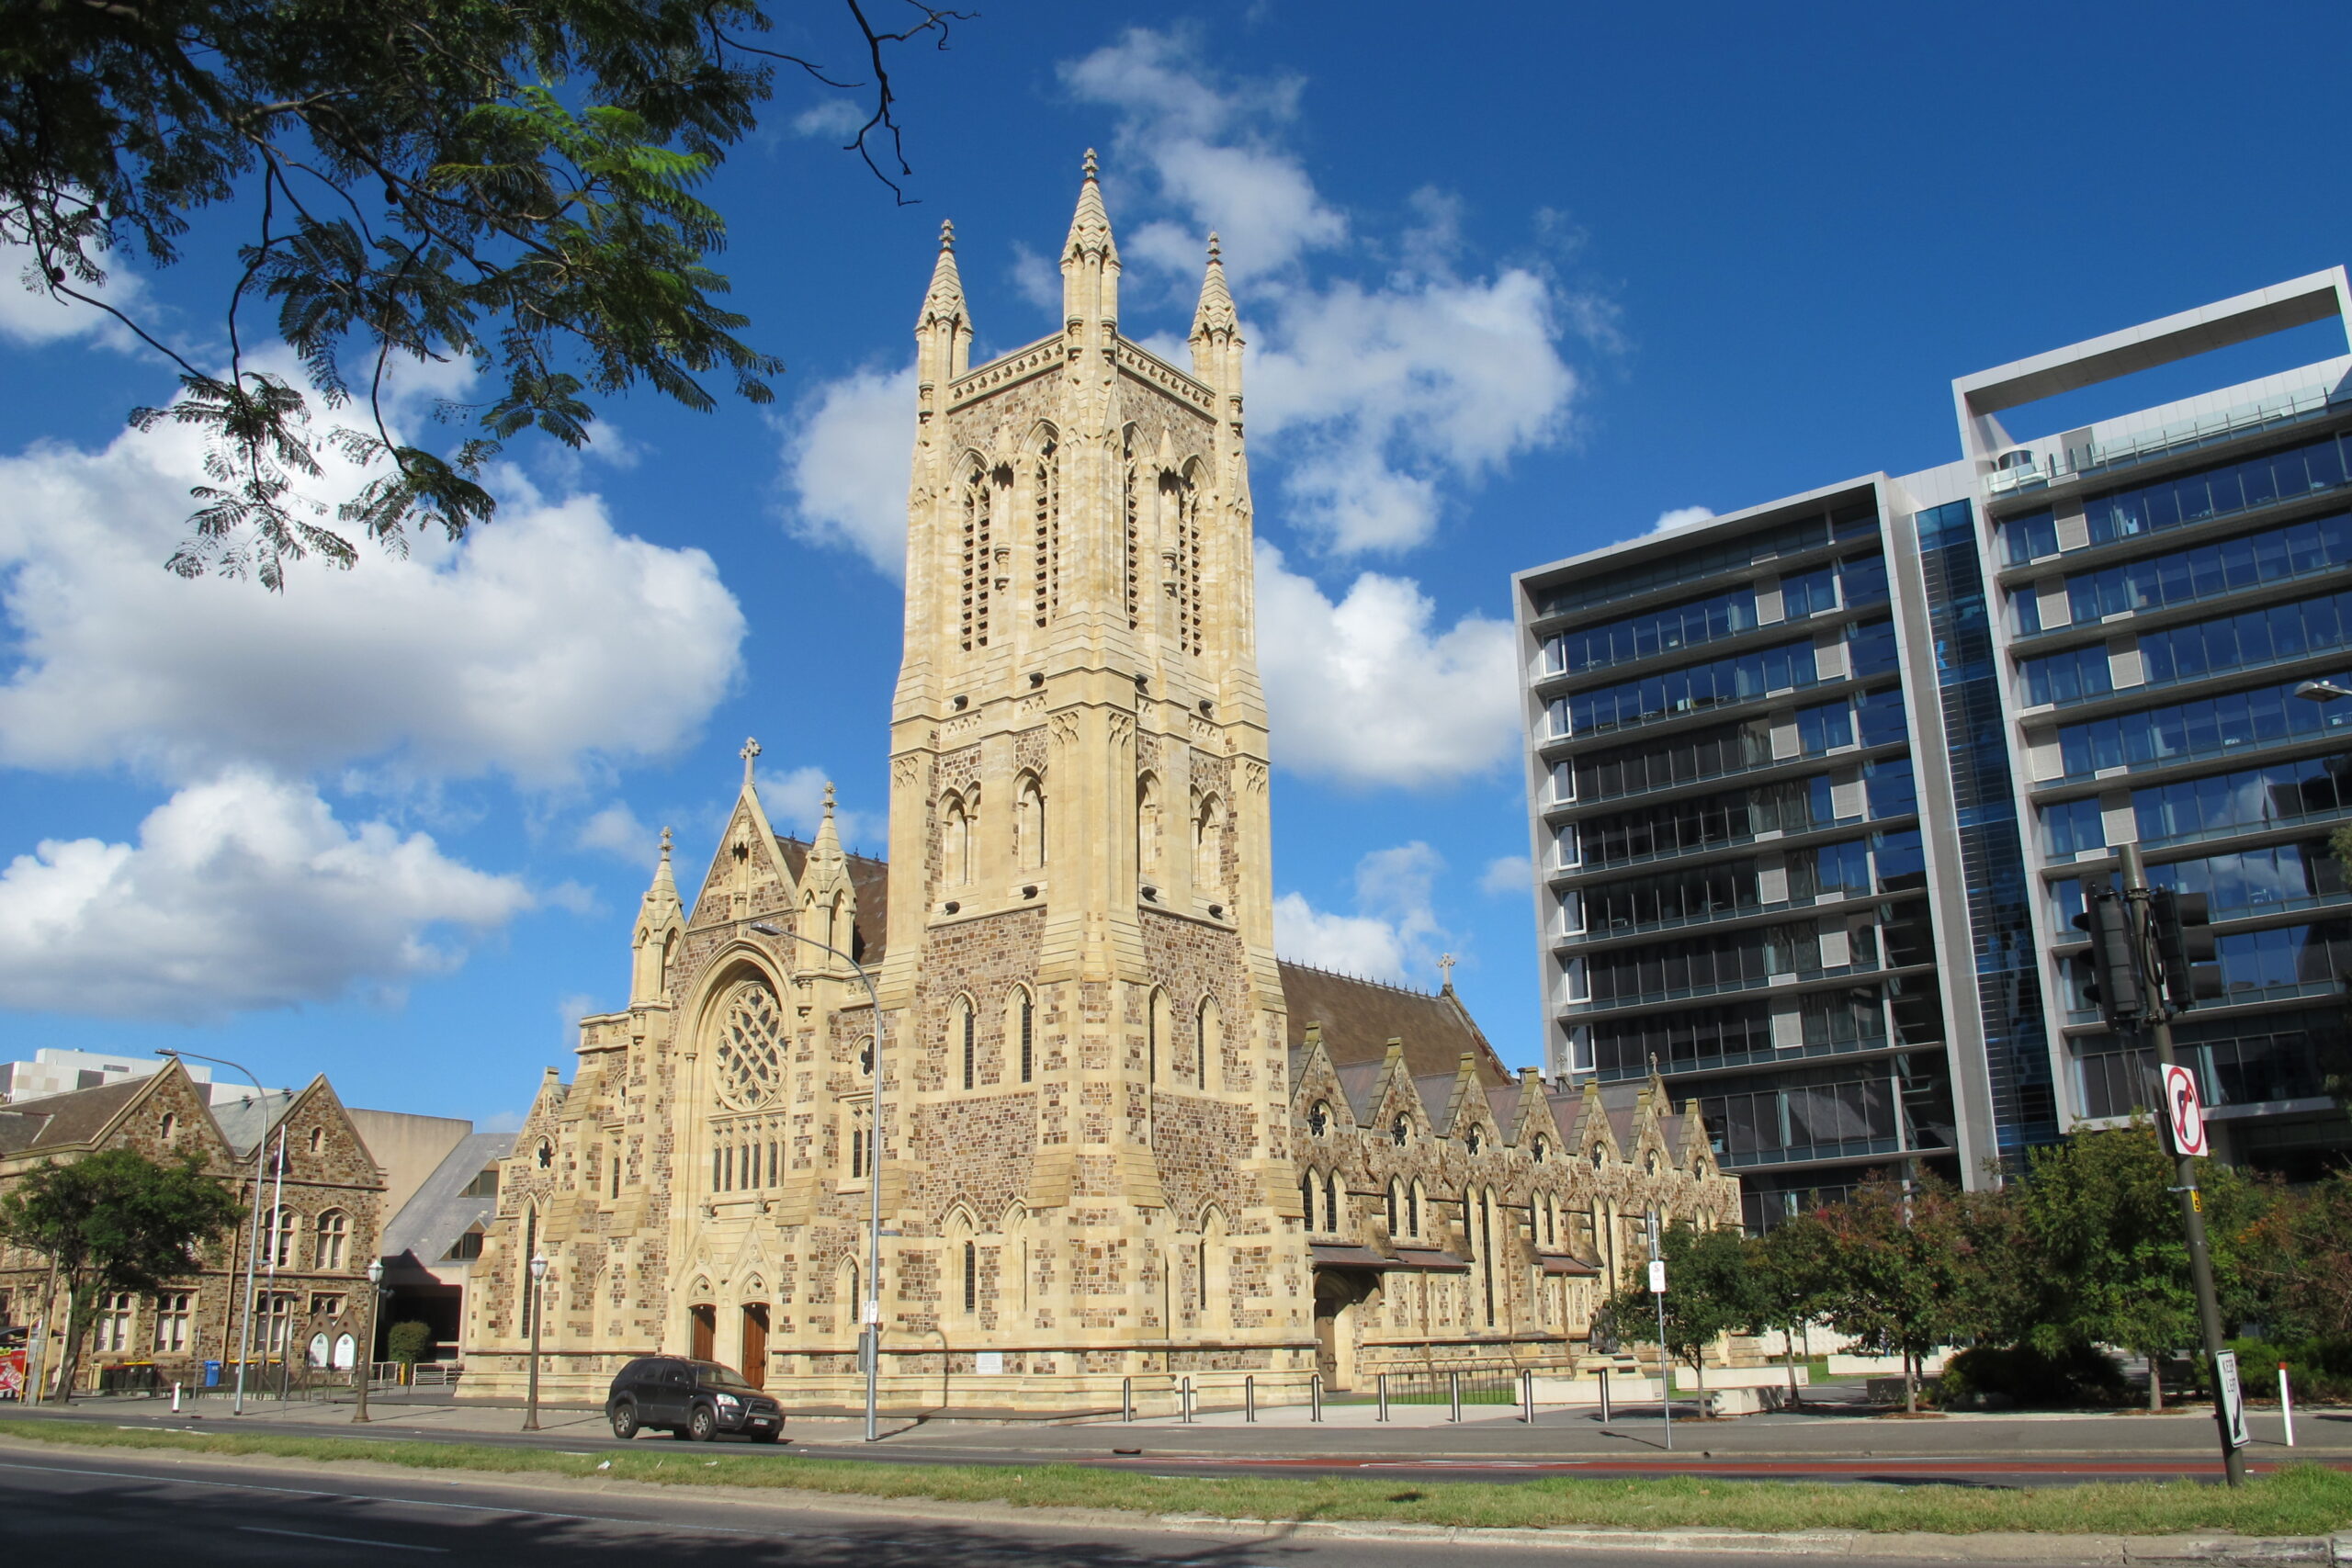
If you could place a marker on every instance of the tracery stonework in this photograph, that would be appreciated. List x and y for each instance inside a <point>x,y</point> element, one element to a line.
<point>1110,1142</point>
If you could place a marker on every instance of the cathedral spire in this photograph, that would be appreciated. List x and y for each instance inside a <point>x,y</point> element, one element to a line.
<point>1091,258</point>
<point>1215,313</point>
<point>945,303</point>
<point>660,918</point>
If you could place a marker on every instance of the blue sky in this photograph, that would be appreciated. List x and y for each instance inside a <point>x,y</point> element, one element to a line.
<point>1517,283</point>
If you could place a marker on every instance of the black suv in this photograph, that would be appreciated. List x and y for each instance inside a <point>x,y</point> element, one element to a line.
<point>697,1400</point>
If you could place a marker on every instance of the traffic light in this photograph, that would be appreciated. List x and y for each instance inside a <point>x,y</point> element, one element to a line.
<point>2185,949</point>
<point>2115,984</point>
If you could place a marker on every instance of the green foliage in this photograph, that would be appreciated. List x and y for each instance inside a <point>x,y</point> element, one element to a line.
<point>409,1343</point>
<point>1899,1267</point>
<point>482,181</point>
<point>116,1221</point>
<point>2032,1378</point>
<point>2296,1258</point>
<point>1709,1293</point>
<point>2316,1369</point>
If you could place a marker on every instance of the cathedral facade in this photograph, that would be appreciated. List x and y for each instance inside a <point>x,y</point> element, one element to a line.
<point>1050,1036</point>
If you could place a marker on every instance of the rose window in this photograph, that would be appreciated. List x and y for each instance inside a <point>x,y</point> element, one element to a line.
<point>748,1057</point>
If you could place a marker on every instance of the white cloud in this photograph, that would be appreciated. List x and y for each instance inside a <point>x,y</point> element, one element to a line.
<point>616,831</point>
<point>1376,397</point>
<point>794,803</point>
<point>831,117</point>
<point>243,892</point>
<point>1392,935</point>
<point>848,453</point>
<point>1367,691</point>
<point>1508,875</point>
<point>1680,517</point>
<point>30,314</point>
<point>545,645</point>
<point>568,1010</point>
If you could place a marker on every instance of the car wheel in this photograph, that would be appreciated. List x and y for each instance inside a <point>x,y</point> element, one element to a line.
<point>625,1421</point>
<point>705,1426</point>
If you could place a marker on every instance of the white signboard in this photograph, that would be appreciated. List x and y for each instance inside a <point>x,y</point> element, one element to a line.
<point>1658,1278</point>
<point>2183,1115</point>
<point>2226,1373</point>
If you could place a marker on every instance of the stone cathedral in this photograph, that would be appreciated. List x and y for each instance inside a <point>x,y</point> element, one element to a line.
<point>1115,1137</point>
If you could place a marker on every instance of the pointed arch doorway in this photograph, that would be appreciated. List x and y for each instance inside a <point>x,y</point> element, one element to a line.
<point>755,1344</point>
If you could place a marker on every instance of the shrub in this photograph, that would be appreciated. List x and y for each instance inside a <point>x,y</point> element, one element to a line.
<point>409,1343</point>
<point>2316,1369</point>
<point>2034,1378</point>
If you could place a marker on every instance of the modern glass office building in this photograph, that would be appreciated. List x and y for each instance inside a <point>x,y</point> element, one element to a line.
<point>1815,787</point>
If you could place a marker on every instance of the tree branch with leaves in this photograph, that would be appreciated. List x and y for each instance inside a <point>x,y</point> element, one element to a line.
<point>509,184</point>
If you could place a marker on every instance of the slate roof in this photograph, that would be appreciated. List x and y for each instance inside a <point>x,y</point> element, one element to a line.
<point>440,1211</point>
<point>245,1122</point>
<point>870,878</point>
<point>56,1120</point>
<point>1360,1017</point>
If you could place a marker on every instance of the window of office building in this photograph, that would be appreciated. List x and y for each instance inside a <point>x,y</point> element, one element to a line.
<point>1870,649</point>
<point>1652,632</point>
<point>2217,491</point>
<point>1841,870</point>
<point>1796,1112</point>
<point>2286,955</point>
<point>2072,827</point>
<point>1624,1047</point>
<point>2202,571</point>
<point>2284,792</point>
<point>2030,537</point>
<point>2068,677</point>
<point>2243,641</point>
<point>1672,760</point>
<point>1790,806</point>
<point>2209,726</point>
<point>2253,879</point>
<point>1742,678</point>
<point>1690,895</point>
<point>1687,964</point>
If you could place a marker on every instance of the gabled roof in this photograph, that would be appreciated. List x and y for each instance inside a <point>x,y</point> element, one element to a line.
<point>869,877</point>
<point>1360,1017</point>
<point>59,1121</point>
<point>245,1122</point>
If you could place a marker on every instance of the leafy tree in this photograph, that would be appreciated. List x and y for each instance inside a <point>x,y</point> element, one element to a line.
<point>115,1221</point>
<point>1709,1293</point>
<point>2106,1258</point>
<point>2297,1255</point>
<point>1899,1263</point>
<point>1789,1269</point>
<point>409,1343</point>
<point>504,182</point>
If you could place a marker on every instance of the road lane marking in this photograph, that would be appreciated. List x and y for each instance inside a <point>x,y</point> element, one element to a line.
<point>342,1539</point>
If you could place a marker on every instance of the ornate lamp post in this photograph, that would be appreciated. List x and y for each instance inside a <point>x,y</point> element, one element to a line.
<point>538,1281</point>
<point>364,1364</point>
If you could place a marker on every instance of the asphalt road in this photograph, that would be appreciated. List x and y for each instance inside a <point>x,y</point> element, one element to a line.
<point>2028,1452</point>
<point>115,1508</point>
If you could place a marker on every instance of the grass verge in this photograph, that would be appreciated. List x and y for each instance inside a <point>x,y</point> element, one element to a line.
<point>2305,1500</point>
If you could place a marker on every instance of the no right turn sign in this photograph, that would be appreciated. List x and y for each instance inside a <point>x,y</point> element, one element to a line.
<point>2183,1113</point>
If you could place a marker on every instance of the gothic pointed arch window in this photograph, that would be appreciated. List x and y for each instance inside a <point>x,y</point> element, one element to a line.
<point>1208,1042</point>
<point>1183,518</point>
<point>1396,1205</point>
<point>1131,506</point>
<point>1029,842</point>
<point>1155,1033</point>
<point>1331,1202</point>
<point>1208,843</point>
<point>1020,1031</point>
<point>976,563</point>
<point>964,1023</point>
<point>1045,492</point>
<point>1147,828</point>
<point>955,835</point>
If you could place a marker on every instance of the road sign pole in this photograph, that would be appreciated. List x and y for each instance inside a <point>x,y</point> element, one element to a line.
<point>1665,1361</point>
<point>2192,1210</point>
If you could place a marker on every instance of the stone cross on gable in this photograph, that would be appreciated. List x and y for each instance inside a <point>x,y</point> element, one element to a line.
<point>750,753</point>
<point>1445,962</point>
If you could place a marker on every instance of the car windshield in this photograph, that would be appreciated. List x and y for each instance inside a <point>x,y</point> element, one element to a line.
<point>710,1374</point>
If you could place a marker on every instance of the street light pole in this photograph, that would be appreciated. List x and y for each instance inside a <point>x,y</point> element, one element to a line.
<point>539,1283</point>
<point>253,1253</point>
<point>872,1331</point>
<point>366,1359</point>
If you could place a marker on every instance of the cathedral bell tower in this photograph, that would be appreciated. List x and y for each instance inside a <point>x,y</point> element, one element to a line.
<point>1087,1025</point>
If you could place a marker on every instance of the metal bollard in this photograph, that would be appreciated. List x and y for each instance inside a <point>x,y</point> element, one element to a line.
<point>1249,1399</point>
<point>1454,1394</point>
<point>1604,1396</point>
<point>175,1397</point>
<point>1315,1397</point>
<point>1384,1398</point>
<point>2286,1405</point>
<point>1527,1396</point>
<point>1126,1399</point>
<point>1184,1393</point>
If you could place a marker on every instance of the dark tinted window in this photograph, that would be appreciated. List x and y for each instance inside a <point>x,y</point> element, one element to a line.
<point>710,1374</point>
